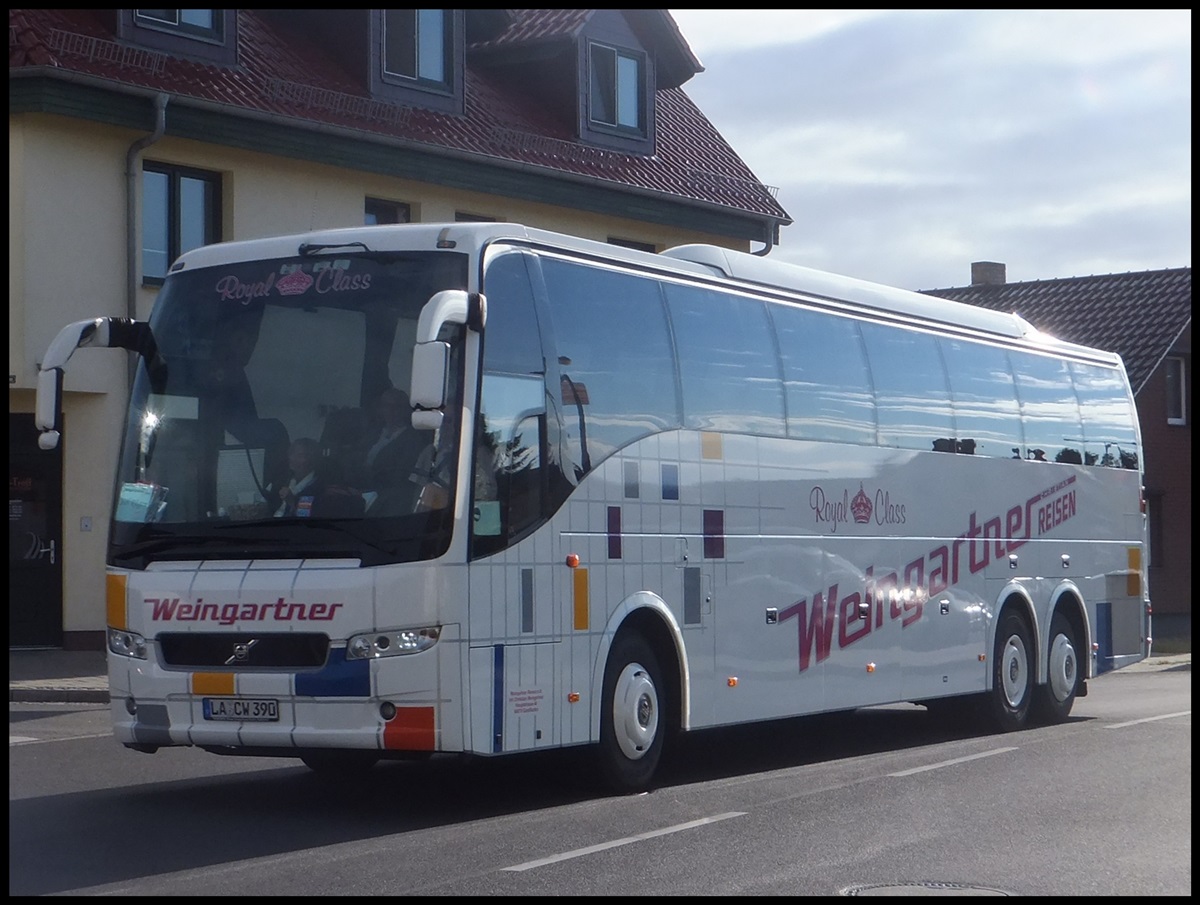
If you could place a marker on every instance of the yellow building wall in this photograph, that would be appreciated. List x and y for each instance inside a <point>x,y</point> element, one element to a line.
<point>67,252</point>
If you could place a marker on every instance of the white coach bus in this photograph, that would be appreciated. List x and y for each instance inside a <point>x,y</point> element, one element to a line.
<point>648,494</point>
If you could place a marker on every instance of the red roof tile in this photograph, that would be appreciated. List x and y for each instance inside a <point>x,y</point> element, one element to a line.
<point>282,73</point>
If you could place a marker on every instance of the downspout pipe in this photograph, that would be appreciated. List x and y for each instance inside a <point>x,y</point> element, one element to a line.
<point>771,241</point>
<point>132,172</point>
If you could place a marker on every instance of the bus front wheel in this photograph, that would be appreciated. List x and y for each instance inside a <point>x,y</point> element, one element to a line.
<point>632,723</point>
<point>1012,673</point>
<point>1052,702</point>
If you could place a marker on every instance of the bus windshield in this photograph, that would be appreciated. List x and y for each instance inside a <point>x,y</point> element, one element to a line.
<point>280,400</point>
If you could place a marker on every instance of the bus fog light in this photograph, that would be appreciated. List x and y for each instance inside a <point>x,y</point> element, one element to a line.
<point>387,710</point>
<point>358,648</point>
<point>131,706</point>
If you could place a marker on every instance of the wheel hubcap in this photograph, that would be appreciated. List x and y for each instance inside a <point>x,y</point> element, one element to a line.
<point>1014,671</point>
<point>1062,667</point>
<point>635,711</point>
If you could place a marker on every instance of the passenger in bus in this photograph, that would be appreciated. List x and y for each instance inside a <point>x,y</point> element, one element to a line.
<point>297,496</point>
<point>396,446</point>
<point>388,463</point>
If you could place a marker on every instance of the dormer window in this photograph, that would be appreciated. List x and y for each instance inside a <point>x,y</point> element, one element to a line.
<point>617,89</point>
<point>197,23</point>
<point>209,35</point>
<point>418,57</point>
<point>416,45</point>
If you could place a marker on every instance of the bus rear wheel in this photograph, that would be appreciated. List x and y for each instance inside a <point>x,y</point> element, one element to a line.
<point>632,724</point>
<point>1012,673</point>
<point>1053,701</point>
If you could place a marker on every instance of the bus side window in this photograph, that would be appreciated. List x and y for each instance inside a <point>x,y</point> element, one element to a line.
<point>984,396</point>
<point>828,386</point>
<point>912,396</point>
<point>510,435</point>
<point>1049,408</point>
<point>615,359</point>
<point>1109,434</point>
<point>727,363</point>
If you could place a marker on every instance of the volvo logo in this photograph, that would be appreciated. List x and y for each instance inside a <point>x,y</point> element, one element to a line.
<point>241,652</point>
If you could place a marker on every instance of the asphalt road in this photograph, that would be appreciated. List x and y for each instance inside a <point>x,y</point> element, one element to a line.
<point>881,801</point>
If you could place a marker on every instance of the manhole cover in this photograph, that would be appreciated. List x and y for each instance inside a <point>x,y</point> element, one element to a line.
<point>927,888</point>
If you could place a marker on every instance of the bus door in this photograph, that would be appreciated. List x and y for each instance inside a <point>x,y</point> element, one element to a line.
<point>516,578</point>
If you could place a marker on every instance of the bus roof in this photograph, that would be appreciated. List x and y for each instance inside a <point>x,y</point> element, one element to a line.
<point>852,294</point>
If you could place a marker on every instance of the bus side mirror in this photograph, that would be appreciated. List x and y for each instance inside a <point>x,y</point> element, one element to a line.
<point>45,416</point>
<point>99,332</point>
<point>430,374</point>
<point>431,356</point>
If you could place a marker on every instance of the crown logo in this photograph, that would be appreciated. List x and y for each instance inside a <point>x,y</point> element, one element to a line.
<point>295,283</point>
<point>861,506</point>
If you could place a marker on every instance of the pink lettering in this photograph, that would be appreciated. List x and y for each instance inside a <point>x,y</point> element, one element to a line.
<point>167,609</point>
<point>163,608</point>
<point>813,628</point>
<point>230,288</point>
<point>335,280</point>
<point>832,512</point>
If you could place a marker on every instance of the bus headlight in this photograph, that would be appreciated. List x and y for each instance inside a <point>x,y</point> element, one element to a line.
<point>394,642</point>
<point>126,644</point>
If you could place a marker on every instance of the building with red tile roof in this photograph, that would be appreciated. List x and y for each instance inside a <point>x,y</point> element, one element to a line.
<point>135,135</point>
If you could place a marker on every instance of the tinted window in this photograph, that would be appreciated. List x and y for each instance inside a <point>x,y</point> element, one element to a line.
<point>508,492</point>
<point>510,341</point>
<point>1049,409</point>
<point>727,363</point>
<point>1109,434</point>
<point>984,396</point>
<point>825,376</point>
<point>912,398</point>
<point>614,355</point>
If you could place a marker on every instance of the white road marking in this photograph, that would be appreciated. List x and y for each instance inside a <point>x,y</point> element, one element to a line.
<point>951,763</point>
<point>1149,719</point>
<point>26,740</point>
<point>591,849</point>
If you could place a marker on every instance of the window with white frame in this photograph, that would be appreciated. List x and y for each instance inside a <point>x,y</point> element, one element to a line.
<point>180,211</point>
<point>1176,372</point>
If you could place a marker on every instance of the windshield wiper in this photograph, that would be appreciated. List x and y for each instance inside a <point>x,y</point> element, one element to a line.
<point>306,249</point>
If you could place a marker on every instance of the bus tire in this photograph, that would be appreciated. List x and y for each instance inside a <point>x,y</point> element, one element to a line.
<point>1053,701</point>
<point>1012,673</point>
<point>337,763</point>
<point>632,724</point>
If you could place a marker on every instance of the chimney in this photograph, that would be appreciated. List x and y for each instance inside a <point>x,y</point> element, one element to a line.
<point>987,273</point>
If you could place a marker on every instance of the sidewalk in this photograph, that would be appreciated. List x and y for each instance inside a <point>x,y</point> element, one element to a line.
<point>52,675</point>
<point>81,676</point>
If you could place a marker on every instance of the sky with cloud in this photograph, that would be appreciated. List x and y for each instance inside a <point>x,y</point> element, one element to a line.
<point>906,144</point>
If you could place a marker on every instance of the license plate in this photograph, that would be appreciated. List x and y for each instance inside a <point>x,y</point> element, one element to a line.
<point>257,710</point>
